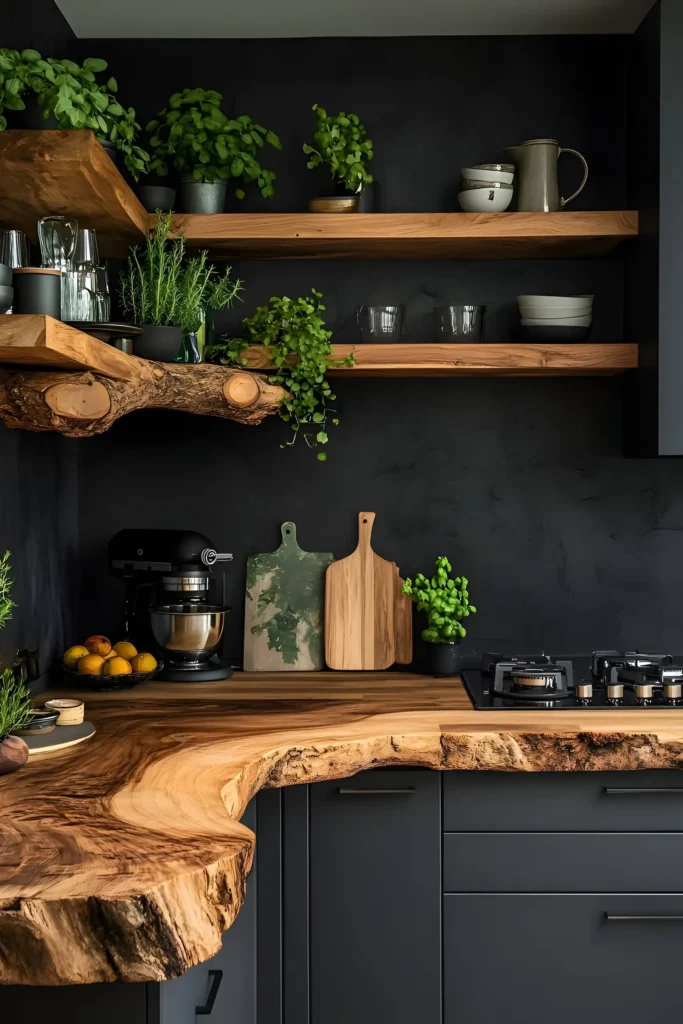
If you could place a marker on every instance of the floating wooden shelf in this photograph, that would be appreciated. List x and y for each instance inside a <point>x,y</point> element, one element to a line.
<point>79,386</point>
<point>407,235</point>
<point>44,172</point>
<point>480,360</point>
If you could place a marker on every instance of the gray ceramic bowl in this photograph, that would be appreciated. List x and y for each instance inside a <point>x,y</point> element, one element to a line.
<point>548,335</point>
<point>6,297</point>
<point>5,274</point>
<point>466,184</point>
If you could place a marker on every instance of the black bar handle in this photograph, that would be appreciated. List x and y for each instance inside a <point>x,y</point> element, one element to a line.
<point>643,917</point>
<point>641,791</point>
<point>348,791</point>
<point>216,979</point>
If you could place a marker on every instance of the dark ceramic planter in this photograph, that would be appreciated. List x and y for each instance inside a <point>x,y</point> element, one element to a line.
<point>31,117</point>
<point>445,659</point>
<point>156,197</point>
<point>201,196</point>
<point>13,754</point>
<point>110,149</point>
<point>367,199</point>
<point>159,343</point>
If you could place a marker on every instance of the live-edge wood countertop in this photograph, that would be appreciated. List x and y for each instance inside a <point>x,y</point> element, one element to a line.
<point>124,858</point>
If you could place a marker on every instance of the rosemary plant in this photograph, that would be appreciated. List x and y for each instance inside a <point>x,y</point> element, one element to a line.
<point>6,602</point>
<point>15,703</point>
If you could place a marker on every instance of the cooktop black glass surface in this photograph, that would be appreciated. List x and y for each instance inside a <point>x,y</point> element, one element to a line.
<point>624,680</point>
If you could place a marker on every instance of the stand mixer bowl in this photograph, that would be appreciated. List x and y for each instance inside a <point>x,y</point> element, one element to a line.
<point>188,634</point>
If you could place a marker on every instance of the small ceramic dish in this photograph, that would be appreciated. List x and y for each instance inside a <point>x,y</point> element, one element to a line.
<point>552,312</point>
<point>485,200</point>
<point>41,723</point>
<point>578,302</point>
<point>71,712</point>
<point>127,682</point>
<point>489,172</point>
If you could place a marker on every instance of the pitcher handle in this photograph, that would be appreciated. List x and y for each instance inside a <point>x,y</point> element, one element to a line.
<point>563,202</point>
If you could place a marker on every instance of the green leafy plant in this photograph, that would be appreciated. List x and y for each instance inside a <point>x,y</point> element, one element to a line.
<point>298,343</point>
<point>194,135</point>
<point>342,144</point>
<point>15,703</point>
<point>161,286</point>
<point>6,602</point>
<point>71,93</point>
<point>445,601</point>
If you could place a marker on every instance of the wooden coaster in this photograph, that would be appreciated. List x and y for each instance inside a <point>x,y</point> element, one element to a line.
<point>61,737</point>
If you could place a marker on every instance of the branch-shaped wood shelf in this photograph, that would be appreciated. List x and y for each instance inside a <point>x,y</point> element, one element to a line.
<point>78,386</point>
<point>44,172</point>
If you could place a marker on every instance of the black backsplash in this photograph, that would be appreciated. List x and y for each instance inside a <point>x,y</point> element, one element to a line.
<point>521,482</point>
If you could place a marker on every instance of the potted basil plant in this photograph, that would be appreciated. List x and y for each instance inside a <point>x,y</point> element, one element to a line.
<point>208,150</point>
<point>446,603</point>
<point>341,145</point>
<point>166,293</point>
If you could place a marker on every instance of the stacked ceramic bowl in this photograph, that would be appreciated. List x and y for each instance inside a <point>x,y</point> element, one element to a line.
<point>555,317</point>
<point>486,188</point>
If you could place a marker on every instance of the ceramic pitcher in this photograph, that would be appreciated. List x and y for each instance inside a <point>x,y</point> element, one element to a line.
<point>536,163</point>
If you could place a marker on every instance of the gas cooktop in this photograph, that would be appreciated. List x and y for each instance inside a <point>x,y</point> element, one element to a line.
<point>608,679</point>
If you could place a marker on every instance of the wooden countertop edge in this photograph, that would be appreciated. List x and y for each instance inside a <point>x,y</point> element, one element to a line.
<point>125,859</point>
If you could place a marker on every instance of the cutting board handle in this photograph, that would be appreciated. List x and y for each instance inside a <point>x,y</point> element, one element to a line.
<point>288,531</point>
<point>365,521</point>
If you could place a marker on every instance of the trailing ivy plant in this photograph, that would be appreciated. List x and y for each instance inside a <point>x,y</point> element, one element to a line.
<point>161,286</point>
<point>445,601</point>
<point>299,344</point>
<point>194,135</point>
<point>341,143</point>
<point>71,93</point>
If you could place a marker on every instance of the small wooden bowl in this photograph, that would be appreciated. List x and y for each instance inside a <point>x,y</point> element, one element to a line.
<point>70,711</point>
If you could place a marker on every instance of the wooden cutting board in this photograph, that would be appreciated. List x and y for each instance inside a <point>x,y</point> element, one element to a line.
<point>359,607</point>
<point>403,615</point>
<point>284,608</point>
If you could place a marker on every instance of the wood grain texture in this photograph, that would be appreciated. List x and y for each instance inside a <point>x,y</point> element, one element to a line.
<point>359,607</point>
<point>82,405</point>
<point>408,235</point>
<point>403,623</point>
<point>472,360</point>
<point>124,858</point>
<point>50,172</point>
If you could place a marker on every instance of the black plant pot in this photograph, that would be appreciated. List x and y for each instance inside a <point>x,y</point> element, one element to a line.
<point>445,659</point>
<point>31,117</point>
<point>367,199</point>
<point>37,290</point>
<point>110,149</point>
<point>201,196</point>
<point>156,197</point>
<point>159,343</point>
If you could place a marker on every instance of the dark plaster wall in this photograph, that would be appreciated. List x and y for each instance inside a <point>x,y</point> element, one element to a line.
<point>523,483</point>
<point>38,488</point>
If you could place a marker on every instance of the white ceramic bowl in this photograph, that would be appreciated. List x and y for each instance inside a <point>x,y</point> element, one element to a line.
<point>566,321</point>
<point>580,302</point>
<point>469,183</point>
<point>489,172</point>
<point>485,200</point>
<point>552,312</point>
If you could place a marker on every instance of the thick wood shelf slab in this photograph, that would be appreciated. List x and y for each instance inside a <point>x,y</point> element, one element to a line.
<point>407,235</point>
<point>473,360</point>
<point>124,858</point>
<point>44,172</point>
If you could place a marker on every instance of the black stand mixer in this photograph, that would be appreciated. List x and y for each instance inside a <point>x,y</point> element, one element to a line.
<point>169,603</point>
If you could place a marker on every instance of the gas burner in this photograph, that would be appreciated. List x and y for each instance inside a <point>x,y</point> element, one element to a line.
<point>535,678</point>
<point>607,666</point>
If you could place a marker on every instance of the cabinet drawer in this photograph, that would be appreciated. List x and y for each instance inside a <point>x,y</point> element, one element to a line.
<point>563,862</point>
<point>648,801</point>
<point>558,958</point>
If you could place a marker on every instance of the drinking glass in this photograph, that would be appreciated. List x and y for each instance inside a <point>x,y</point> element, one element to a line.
<point>86,254</point>
<point>380,323</point>
<point>103,296</point>
<point>14,249</point>
<point>79,296</point>
<point>460,323</point>
<point>57,236</point>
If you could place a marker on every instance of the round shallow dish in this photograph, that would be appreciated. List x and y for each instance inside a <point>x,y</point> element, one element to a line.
<point>106,332</point>
<point>74,679</point>
<point>567,321</point>
<point>579,302</point>
<point>553,312</point>
<point>548,335</point>
<point>41,723</point>
<point>485,200</point>
<point>71,712</point>
<point>489,172</point>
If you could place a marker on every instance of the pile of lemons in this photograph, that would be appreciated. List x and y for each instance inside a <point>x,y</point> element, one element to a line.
<point>98,657</point>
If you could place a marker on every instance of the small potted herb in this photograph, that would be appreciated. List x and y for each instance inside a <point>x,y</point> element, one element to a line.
<point>446,603</point>
<point>167,293</point>
<point>208,149</point>
<point>62,94</point>
<point>15,699</point>
<point>341,144</point>
<point>298,343</point>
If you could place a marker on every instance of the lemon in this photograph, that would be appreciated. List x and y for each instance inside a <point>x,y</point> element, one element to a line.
<point>72,656</point>
<point>144,662</point>
<point>125,649</point>
<point>117,667</point>
<point>98,644</point>
<point>90,665</point>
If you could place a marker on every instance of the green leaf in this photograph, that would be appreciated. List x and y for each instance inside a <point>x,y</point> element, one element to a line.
<point>322,456</point>
<point>3,123</point>
<point>116,110</point>
<point>31,56</point>
<point>112,84</point>
<point>318,417</point>
<point>321,437</point>
<point>239,193</point>
<point>94,64</point>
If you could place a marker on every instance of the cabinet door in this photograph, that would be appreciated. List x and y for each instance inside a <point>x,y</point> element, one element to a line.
<point>375,903</point>
<point>596,959</point>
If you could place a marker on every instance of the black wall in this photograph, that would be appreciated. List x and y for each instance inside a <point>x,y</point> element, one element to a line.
<point>522,482</point>
<point>38,486</point>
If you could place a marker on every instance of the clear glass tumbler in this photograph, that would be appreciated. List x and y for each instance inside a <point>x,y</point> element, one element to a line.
<point>460,323</point>
<point>380,323</point>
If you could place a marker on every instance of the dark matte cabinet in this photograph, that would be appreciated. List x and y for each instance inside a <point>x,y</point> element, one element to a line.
<point>595,959</point>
